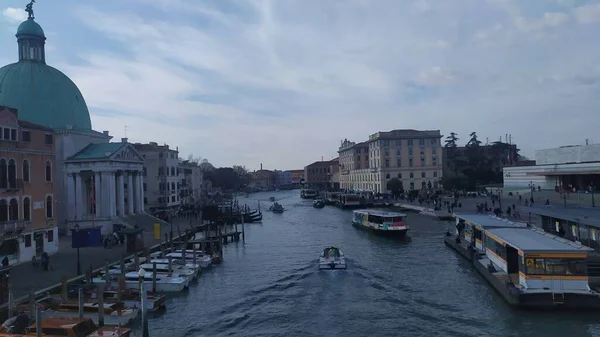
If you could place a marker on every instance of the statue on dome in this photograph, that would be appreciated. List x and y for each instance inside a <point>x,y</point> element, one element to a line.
<point>29,9</point>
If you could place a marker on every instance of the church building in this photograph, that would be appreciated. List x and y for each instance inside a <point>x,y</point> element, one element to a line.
<point>95,183</point>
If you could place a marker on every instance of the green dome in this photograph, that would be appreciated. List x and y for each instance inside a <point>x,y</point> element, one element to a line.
<point>43,95</point>
<point>31,28</point>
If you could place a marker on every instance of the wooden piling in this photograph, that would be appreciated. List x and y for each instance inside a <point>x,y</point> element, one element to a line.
<point>170,264</point>
<point>80,301</point>
<point>243,229</point>
<point>11,300</point>
<point>154,277</point>
<point>123,263</point>
<point>100,295</point>
<point>106,272</point>
<point>64,288</point>
<point>194,254</point>
<point>136,259</point>
<point>144,308</point>
<point>32,302</point>
<point>121,287</point>
<point>38,321</point>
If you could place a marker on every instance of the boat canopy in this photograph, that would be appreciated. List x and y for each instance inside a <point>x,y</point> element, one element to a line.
<point>331,252</point>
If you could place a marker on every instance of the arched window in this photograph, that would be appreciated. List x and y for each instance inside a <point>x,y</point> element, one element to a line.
<point>48,171</point>
<point>26,171</point>
<point>12,173</point>
<point>13,209</point>
<point>27,209</point>
<point>3,173</point>
<point>49,207</point>
<point>3,210</point>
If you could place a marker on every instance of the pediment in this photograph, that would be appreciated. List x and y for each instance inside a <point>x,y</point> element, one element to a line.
<point>127,153</point>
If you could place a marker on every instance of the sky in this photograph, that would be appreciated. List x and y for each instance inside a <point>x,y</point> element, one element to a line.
<point>282,82</point>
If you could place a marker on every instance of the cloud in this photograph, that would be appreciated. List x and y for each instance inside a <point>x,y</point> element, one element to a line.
<point>588,13</point>
<point>281,82</point>
<point>14,14</point>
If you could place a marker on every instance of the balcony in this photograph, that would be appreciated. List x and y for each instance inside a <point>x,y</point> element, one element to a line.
<point>12,185</point>
<point>13,226</point>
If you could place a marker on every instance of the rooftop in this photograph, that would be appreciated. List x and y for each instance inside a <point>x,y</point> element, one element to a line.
<point>487,221</point>
<point>97,151</point>
<point>405,133</point>
<point>536,240</point>
<point>579,214</point>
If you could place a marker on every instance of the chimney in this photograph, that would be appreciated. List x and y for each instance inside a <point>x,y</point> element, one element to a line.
<point>105,133</point>
<point>261,166</point>
<point>123,140</point>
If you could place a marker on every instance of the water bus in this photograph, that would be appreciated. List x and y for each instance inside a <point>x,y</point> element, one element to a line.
<point>381,222</point>
<point>308,193</point>
<point>349,200</point>
<point>527,266</point>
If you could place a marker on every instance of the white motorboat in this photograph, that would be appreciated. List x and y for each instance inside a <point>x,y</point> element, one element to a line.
<point>332,258</point>
<point>164,283</point>
<point>176,269</point>
<point>202,259</point>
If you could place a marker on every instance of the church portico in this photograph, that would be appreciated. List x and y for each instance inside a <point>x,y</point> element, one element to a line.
<point>104,184</point>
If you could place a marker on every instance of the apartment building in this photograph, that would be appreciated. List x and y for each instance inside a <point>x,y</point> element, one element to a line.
<point>296,176</point>
<point>413,156</point>
<point>161,169</point>
<point>27,189</point>
<point>191,181</point>
<point>320,174</point>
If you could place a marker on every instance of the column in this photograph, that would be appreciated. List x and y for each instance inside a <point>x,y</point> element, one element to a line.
<point>98,194</point>
<point>112,194</point>
<point>130,192</point>
<point>121,194</point>
<point>138,208</point>
<point>143,206</point>
<point>71,206</point>
<point>80,203</point>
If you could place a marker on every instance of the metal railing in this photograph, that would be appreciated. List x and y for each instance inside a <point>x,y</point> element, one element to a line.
<point>12,225</point>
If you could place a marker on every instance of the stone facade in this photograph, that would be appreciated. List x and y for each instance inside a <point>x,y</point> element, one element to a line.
<point>162,175</point>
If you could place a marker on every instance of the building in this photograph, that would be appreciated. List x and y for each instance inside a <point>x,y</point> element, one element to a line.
<point>334,182</point>
<point>264,179</point>
<point>88,168</point>
<point>354,165</point>
<point>320,173</point>
<point>191,178</point>
<point>570,168</point>
<point>413,156</point>
<point>27,202</point>
<point>161,168</point>
<point>297,176</point>
<point>284,178</point>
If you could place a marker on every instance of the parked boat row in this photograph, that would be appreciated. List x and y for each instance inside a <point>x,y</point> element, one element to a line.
<point>529,267</point>
<point>20,326</point>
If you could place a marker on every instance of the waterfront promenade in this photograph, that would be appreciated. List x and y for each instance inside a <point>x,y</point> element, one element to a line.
<point>24,278</point>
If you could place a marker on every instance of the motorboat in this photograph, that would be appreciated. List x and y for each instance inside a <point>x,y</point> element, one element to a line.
<point>203,260</point>
<point>272,199</point>
<point>60,326</point>
<point>164,283</point>
<point>115,313</point>
<point>332,258</point>
<point>317,203</point>
<point>276,208</point>
<point>175,269</point>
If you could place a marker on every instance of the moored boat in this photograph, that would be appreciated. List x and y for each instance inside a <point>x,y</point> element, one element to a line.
<point>308,193</point>
<point>381,222</point>
<point>318,203</point>
<point>276,208</point>
<point>332,258</point>
<point>19,326</point>
<point>272,199</point>
<point>115,313</point>
<point>132,279</point>
<point>204,260</point>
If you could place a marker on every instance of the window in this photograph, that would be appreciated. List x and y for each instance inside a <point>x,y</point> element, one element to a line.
<point>13,209</point>
<point>410,162</point>
<point>399,175</point>
<point>433,141</point>
<point>49,207</point>
<point>12,174</point>
<point>50,236</point>
<point>410,142</point>
<point>411,175</point>
<point>25,136</point>
<point>3,210</point>
<point>398,142</point>
<point>26,170</point>
<point>27,209</point>
<point>3,173</point>
<point>422,174</point>
<point>48,139</point>
<point>412,185</point>
<point>410,151</point>
<point>28,240</point>
<point>13,134</point>
<point>387,176</point>
<point>435,174</point>
<point>48,171</point>
<point>173,187</point>
<point>387,163</point>
<point>399,162</point>
<point>6,134</point>
<point>433,150</point>
<point>421,141</point>
<point>422,161</point>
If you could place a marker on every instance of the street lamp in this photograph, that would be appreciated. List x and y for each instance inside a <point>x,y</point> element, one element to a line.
<point>78,256</point>
<point>141,274</point>
<point>592,190</point>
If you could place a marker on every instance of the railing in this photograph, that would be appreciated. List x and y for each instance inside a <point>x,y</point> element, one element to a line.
<point>12,184</point>
<point>12,225</point>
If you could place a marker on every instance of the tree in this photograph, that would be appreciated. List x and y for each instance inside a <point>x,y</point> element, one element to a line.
<point>473,142</point>
<point>451,140</point>
<point>243,174</point>
<point>192,159</point>
<point>205,166</point>
<point>395,186</point>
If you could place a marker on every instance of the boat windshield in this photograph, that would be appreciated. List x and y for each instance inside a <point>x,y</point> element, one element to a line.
<point>331,252</point>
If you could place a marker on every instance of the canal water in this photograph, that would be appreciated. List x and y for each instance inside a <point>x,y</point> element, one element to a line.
<point>271,286</point>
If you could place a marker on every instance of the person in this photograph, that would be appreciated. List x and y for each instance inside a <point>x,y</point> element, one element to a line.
<point>5,261</point>
<point>34,262</point>
<point>45,261</point>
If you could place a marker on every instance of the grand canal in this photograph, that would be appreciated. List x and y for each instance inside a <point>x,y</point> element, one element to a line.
<point>270,285</point>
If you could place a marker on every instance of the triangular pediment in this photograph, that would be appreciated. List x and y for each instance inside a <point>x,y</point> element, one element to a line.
<point>127,153</point>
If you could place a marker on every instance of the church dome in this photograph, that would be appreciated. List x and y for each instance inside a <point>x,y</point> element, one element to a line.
<point>41,93</point>
<point>31,28</point>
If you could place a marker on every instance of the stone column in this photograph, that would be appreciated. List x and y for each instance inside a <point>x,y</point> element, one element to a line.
<point>80,203</point>
<point>112,208</point>
<point>98,193</point>
<point>130,192</point>
<point>71,205</point>
<point>142,205</point>
<point>121,194</point>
